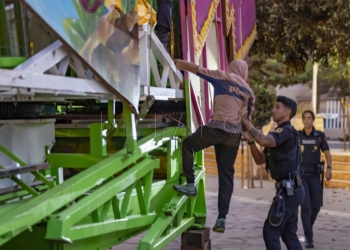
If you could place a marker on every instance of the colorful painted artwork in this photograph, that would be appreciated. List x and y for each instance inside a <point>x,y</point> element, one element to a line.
<point>238,16</point>
<point>103,33</point>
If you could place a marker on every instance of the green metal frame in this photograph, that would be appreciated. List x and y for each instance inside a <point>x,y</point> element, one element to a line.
<point>113,198</point>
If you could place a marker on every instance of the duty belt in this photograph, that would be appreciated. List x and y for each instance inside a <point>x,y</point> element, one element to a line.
<point>283,184</point>
<point>311,170</point>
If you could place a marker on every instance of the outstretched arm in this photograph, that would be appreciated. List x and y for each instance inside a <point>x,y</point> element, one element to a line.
<point>186,66</point>
<point>209,75</point>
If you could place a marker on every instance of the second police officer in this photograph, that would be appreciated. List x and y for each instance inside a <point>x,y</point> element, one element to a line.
<point>282,157</point>
<point>312,142</point>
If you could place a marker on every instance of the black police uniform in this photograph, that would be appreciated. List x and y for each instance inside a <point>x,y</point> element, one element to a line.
<point>283,164</point>
<point>311,146</point>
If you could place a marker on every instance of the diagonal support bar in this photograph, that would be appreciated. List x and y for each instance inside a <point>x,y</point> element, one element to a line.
<point>59,226</point>
<point>36,209</point>
<point>45,59</point>
<point>150,240</point>
<point>138,221</point>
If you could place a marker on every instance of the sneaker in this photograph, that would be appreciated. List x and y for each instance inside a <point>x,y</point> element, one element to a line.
<point>188,190</point>
<point>309,243</point>
<point>220,225</point>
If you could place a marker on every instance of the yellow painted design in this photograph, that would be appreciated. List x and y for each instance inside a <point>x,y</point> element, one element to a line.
<point>143,10</point>
<point>199,39</point>
<point>243,51</point>
<point>230,22</point>
<point>230,18</point>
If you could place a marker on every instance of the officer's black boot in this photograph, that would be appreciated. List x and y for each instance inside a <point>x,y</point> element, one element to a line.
<point>309,243</point>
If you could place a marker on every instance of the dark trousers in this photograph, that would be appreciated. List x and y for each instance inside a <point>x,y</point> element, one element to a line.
<point>226,147</point>
<point>312,203</point>
<point>164,16</point>
<point>287,230</point>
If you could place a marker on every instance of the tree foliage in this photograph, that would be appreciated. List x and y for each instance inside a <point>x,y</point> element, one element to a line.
<point>334,79</point>
<point>265,100</point>
<point>271,72</point>
<point>303,31</point>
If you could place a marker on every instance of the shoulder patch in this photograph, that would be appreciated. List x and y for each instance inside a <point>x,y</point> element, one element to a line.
<point>278,130</point>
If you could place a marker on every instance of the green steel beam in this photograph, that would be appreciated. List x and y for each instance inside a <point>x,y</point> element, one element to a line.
<point>174,162</point>
<point>146,144</point>
<point>59,225</point>
<point>12,156</point>
<point>29,189</point>
<point>85,132</point>
<point>144,197</point>
<point>96,229</point>
<point>37,174</point>
<point>74,160</point>
<point>36,209</point>
<point>173,233</point>
<point>126,200</point>
<point>200,208</point>
<point>171,209</point>
<point>98,143</point>
<point>11,62</point>
<point>12,195</point>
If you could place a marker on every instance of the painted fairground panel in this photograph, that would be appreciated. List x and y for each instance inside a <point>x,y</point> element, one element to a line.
<point>245,28</point>
<point>239,24</point>
<point>104,33</point>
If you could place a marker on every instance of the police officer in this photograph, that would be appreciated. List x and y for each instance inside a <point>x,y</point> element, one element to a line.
<point>312,142</point>
<point>282,157</point>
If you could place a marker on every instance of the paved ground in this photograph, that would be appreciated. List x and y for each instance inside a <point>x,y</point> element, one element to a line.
<point>248,211</point>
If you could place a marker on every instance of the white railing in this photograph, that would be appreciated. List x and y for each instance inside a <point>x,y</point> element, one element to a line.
<point>333,116</point>
<point>335,121</point>
<point>151,49</point>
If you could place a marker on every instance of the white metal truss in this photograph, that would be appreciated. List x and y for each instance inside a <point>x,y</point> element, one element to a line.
<point>151,49</point>
<point>42,77</point>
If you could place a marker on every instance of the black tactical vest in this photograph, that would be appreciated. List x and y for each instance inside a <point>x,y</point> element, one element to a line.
<point>284,165</point>
<point>310,148</point>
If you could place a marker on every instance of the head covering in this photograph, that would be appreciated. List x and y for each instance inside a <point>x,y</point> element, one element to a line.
<point>240,68</point>
<point>277,211</point>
